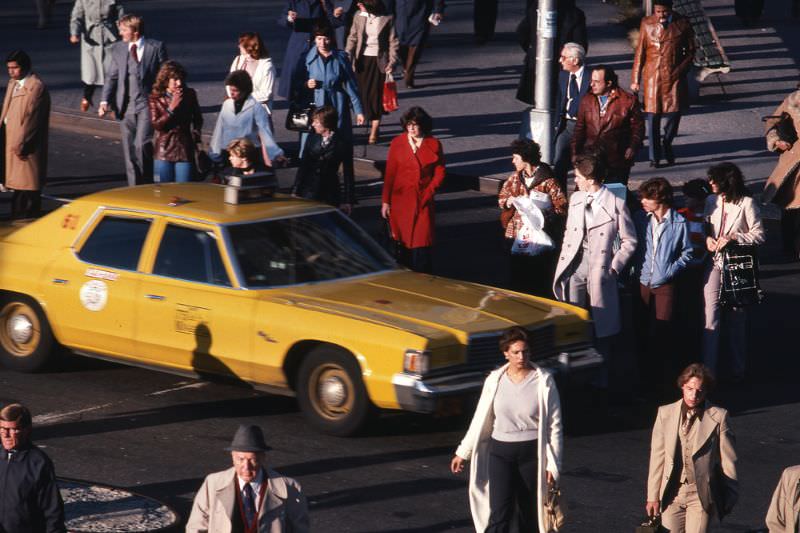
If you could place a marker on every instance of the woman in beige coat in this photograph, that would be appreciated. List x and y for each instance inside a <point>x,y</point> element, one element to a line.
<point>731,216</point>
<point>783,185</point>
<point>26,115</point>
<point>372,46</point>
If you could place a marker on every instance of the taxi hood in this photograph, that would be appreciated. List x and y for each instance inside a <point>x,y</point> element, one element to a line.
<point>425,304</point>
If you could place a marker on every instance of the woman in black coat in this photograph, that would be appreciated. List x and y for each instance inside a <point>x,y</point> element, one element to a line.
<point>571,29</point>
<point>325,151</point>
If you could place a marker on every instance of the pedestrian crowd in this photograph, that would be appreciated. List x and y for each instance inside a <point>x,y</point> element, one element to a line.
<point>589,248</point>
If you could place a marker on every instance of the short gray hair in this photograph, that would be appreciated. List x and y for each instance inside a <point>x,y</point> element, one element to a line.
<point>575,50</point>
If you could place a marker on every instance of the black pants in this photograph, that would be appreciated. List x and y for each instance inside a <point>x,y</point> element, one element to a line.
<point>417,259</point>
<point>532,274</point>
<point>484,19</point>
<point>513,472</point>
<point>657,142</point>
<point>790,232</point>
<point>89,89</point>
<point>26,204</point>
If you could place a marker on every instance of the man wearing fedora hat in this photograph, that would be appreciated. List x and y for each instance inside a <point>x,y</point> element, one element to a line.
<point>249,498</point>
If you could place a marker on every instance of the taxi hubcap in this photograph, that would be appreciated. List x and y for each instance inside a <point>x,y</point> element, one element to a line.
<point>333,391</point>
<point>20,329</point>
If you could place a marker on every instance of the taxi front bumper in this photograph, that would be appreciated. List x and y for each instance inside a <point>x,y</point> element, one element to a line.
<point>417,394</point>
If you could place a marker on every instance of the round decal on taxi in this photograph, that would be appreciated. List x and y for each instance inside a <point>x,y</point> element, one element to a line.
<point>94,295</point>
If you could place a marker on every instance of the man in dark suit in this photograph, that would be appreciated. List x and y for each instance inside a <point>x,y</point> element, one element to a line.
<point>573,84</point>
<point>129,79</point>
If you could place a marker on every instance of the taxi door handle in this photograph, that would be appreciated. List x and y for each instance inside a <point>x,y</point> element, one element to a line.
<point>154,297</point>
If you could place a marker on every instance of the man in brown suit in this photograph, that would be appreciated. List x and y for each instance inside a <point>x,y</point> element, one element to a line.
<point>610,122</point>
<point>783,515</point>
<point>692,473</point>
<point>25,122</point>
<point>662,59</point>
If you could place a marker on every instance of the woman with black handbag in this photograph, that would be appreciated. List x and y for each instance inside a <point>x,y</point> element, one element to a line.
<point>731,217</point>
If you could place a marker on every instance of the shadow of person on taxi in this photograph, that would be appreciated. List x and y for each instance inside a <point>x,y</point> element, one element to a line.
<point>206,365</point>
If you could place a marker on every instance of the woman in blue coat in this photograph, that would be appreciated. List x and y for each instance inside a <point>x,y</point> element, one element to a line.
<point>300,16</point>
<point>411,22</point>
<point>327,72</point>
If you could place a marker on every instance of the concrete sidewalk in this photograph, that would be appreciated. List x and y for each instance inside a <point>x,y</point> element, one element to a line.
<point>468,89</point>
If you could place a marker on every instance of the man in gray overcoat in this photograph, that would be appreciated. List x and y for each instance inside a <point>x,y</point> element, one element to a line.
<point>134,64</point>
<point>93,23</point>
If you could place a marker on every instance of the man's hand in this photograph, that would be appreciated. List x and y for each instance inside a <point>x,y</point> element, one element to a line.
<point>635,87</point>
<point>457,463</point>
<point>652,508</point>
<point>338,12</point>
<point>74,39</point>
<point>783,146</point>
<point>360,119</point>
<point>291,16</point>
<point>385,211</point>
<point>102,109</point>
<point>437,18</point>
<point>311,84</point>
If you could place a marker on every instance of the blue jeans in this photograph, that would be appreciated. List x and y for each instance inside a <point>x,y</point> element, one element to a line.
<point>166,171</point>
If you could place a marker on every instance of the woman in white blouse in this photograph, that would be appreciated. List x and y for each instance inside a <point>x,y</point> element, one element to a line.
<point>372,46</point>
<point>254,59</point>
<point>514,442</point>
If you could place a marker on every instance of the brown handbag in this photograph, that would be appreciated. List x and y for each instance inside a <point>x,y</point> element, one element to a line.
<point>554,510</point>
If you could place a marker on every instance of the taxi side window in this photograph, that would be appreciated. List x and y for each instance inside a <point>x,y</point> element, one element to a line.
<point>192,255</point>
<point>116,242</point>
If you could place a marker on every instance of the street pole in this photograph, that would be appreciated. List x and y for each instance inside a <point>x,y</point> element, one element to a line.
<point>543,90</point>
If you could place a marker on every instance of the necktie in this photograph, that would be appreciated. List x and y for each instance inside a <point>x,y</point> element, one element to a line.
<point>248,500</point>
<point>589,214</point>
<point>687,421</point>
<point>572,105</point>
<point>134,55</point>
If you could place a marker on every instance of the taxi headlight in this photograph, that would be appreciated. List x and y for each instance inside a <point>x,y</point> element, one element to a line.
<point>416,362</point>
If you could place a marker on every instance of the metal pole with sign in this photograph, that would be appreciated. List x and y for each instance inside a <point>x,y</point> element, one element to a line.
<point>543,111</point>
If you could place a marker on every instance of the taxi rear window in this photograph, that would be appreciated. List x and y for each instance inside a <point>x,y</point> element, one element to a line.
<point>318,247</point>
<point>116,242</point>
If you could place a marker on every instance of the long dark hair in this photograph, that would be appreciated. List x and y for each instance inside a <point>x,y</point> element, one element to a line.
<point>170,70</point>
<point>730,181</point>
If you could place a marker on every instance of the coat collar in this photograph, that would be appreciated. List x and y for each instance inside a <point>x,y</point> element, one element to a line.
<point>607,201</point>
<point>706,426</point>
<point>277,492</point>
<point>732,212</point>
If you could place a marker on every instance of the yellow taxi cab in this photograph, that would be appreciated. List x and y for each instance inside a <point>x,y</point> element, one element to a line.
<point>286,295</point>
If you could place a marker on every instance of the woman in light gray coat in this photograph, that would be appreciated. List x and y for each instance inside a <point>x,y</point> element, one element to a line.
<point>93,23</point>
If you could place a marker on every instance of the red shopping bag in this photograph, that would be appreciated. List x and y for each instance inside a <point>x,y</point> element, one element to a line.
<point>390,94</point>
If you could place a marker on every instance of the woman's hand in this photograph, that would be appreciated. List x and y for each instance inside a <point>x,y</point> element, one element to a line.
<point>385,211</point>
<point>722,242</point>
<point>177,98</point>
<point>437,18</point>
<point>360,120</point>
<point>389,69</point>
<point>711,244</point>
<point>551,479</point>
<point>457,463</point>
<point>311,84</point>
<point>652,508</point>
<point>74,39</point>
<point>783,146</point>
<point>291,15</point>
<point>634,87</point>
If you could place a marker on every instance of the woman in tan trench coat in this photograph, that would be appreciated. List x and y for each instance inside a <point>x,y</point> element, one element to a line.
<point>783,185</point>
<point>26,117</point>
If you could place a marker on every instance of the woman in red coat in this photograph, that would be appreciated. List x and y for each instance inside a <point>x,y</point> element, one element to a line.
<point>414,170</point>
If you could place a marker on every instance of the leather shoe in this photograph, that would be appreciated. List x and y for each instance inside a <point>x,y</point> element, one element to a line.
<point>669,155</point>
<point>85,105</point>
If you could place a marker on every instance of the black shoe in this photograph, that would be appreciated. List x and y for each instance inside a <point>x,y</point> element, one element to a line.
<point>655,164</point>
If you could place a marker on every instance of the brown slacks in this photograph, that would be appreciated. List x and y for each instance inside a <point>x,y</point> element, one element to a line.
<point>685,513</point>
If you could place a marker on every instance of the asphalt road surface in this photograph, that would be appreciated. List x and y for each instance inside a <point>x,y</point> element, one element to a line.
<point>159,435</point>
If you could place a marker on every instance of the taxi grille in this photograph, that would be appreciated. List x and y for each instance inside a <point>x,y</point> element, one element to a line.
<point>483,352</point>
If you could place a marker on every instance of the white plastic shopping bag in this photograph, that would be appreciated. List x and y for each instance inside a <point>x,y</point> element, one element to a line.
<point>531,238</point>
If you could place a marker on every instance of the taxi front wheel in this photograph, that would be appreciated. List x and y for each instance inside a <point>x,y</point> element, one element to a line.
<point>26,341</point>
<point>331,392</point>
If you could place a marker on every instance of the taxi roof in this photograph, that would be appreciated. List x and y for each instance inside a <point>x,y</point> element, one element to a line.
<point>200,201</point>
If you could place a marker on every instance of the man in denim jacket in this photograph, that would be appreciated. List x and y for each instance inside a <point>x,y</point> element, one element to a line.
<point>666,252</point>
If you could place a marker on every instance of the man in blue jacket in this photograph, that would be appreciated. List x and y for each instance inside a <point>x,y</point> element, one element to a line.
<point>29,497</point>
<point>666,252</point>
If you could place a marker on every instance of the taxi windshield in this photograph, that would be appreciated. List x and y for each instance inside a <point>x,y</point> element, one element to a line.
<point>318,247</point>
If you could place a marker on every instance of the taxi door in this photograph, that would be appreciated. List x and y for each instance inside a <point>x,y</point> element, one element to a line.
<point>91,290</point>
<point>192,314</point>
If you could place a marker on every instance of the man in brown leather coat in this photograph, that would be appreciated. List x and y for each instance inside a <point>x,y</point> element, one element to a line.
<point>662,59</point>
<point>609,121</point>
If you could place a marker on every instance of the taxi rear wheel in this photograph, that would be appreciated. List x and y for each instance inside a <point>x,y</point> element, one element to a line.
<point>26,341</point>
<point>331,393</point>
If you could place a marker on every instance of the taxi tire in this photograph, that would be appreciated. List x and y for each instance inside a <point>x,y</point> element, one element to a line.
<point>337,367</point>
<point>35,354</point>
